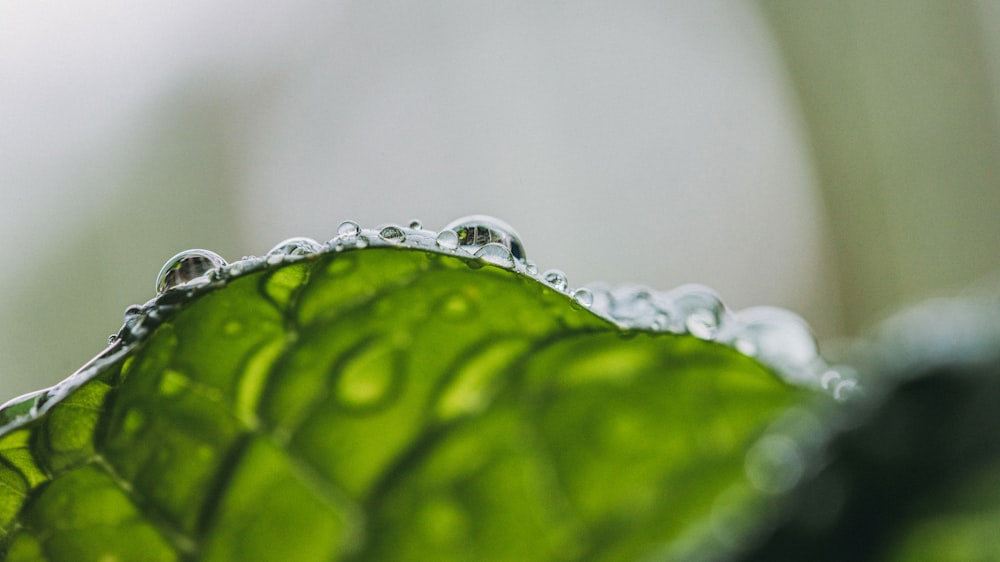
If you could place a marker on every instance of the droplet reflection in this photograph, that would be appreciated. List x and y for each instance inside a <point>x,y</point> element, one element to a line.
<point>185,267</point>
<point>557,279</point>
<point>476,231</point>
<point>392,234</point>
<point>348,229</point>
<point>298,246</point>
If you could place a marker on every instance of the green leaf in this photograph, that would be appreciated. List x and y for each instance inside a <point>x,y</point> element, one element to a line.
<point>382,404</point>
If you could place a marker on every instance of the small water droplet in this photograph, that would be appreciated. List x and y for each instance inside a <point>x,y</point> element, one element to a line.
<point>112,339</point>
<point>415,224</point>
<point>361,242</point>
<point>530,268</point>
<point>477,231</point>
<point>447,239</point>
<point>275,259</point>
<point>583,297</point>
<point>557,279</point>
<point>132,312</point>
<point>497,254</point>
<point>392,234</point>
<point>187,266</point>
<point>348,229</point>
<point>297,246</point>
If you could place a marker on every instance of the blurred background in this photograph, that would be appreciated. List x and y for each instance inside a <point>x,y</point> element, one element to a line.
<point>838,159</point>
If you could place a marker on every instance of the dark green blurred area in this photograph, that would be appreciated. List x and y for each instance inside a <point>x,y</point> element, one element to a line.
<point>911,472</point>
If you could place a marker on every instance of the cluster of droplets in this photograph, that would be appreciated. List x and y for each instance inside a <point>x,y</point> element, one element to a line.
<point>775,337</point>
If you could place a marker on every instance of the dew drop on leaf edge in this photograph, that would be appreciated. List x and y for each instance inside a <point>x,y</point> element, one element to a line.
<point>298,246</point>
<point>497,254</point>
<point>447,239</point>
<point>476,231</point>
<point>187,266</point>
<point>348,229</point>
<point>392,234</point>
<point>557,279</point>
<point>584,297</point>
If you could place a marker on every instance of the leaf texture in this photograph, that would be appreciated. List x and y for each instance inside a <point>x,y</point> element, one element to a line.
<point>388,404</point>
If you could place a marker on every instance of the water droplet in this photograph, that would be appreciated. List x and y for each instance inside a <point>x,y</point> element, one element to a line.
<point>295,247</point>
<point>557,279</point>
<point>700,310</point>
<point>275,259</point>
<point>415,224</point>
<point>781,340</point>
<point>361,242</point>
<point>477,231</point>
<point>497,254</point>
<point>583,297</point>
<point>392,234</point>
<point>348,229</point>
<point>112,339</point>
<point>530,268</point>
<point>447,239</point>
<point>187,266</point>
<point>132,312</point>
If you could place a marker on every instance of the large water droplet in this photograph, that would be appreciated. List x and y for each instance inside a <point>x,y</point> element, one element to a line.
<point>497,254</point>
<point>447,239</point>
<point>557,279</point>
<point>477,231</point>
<point>392,234</point>
<point>187,266</point>
<point>297,246</point>
<point>348,229</point>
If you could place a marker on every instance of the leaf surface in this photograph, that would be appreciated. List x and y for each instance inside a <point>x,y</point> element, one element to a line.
<point>383,404</point>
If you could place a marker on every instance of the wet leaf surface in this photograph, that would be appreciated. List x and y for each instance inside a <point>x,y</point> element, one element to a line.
<point>385,404</point>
